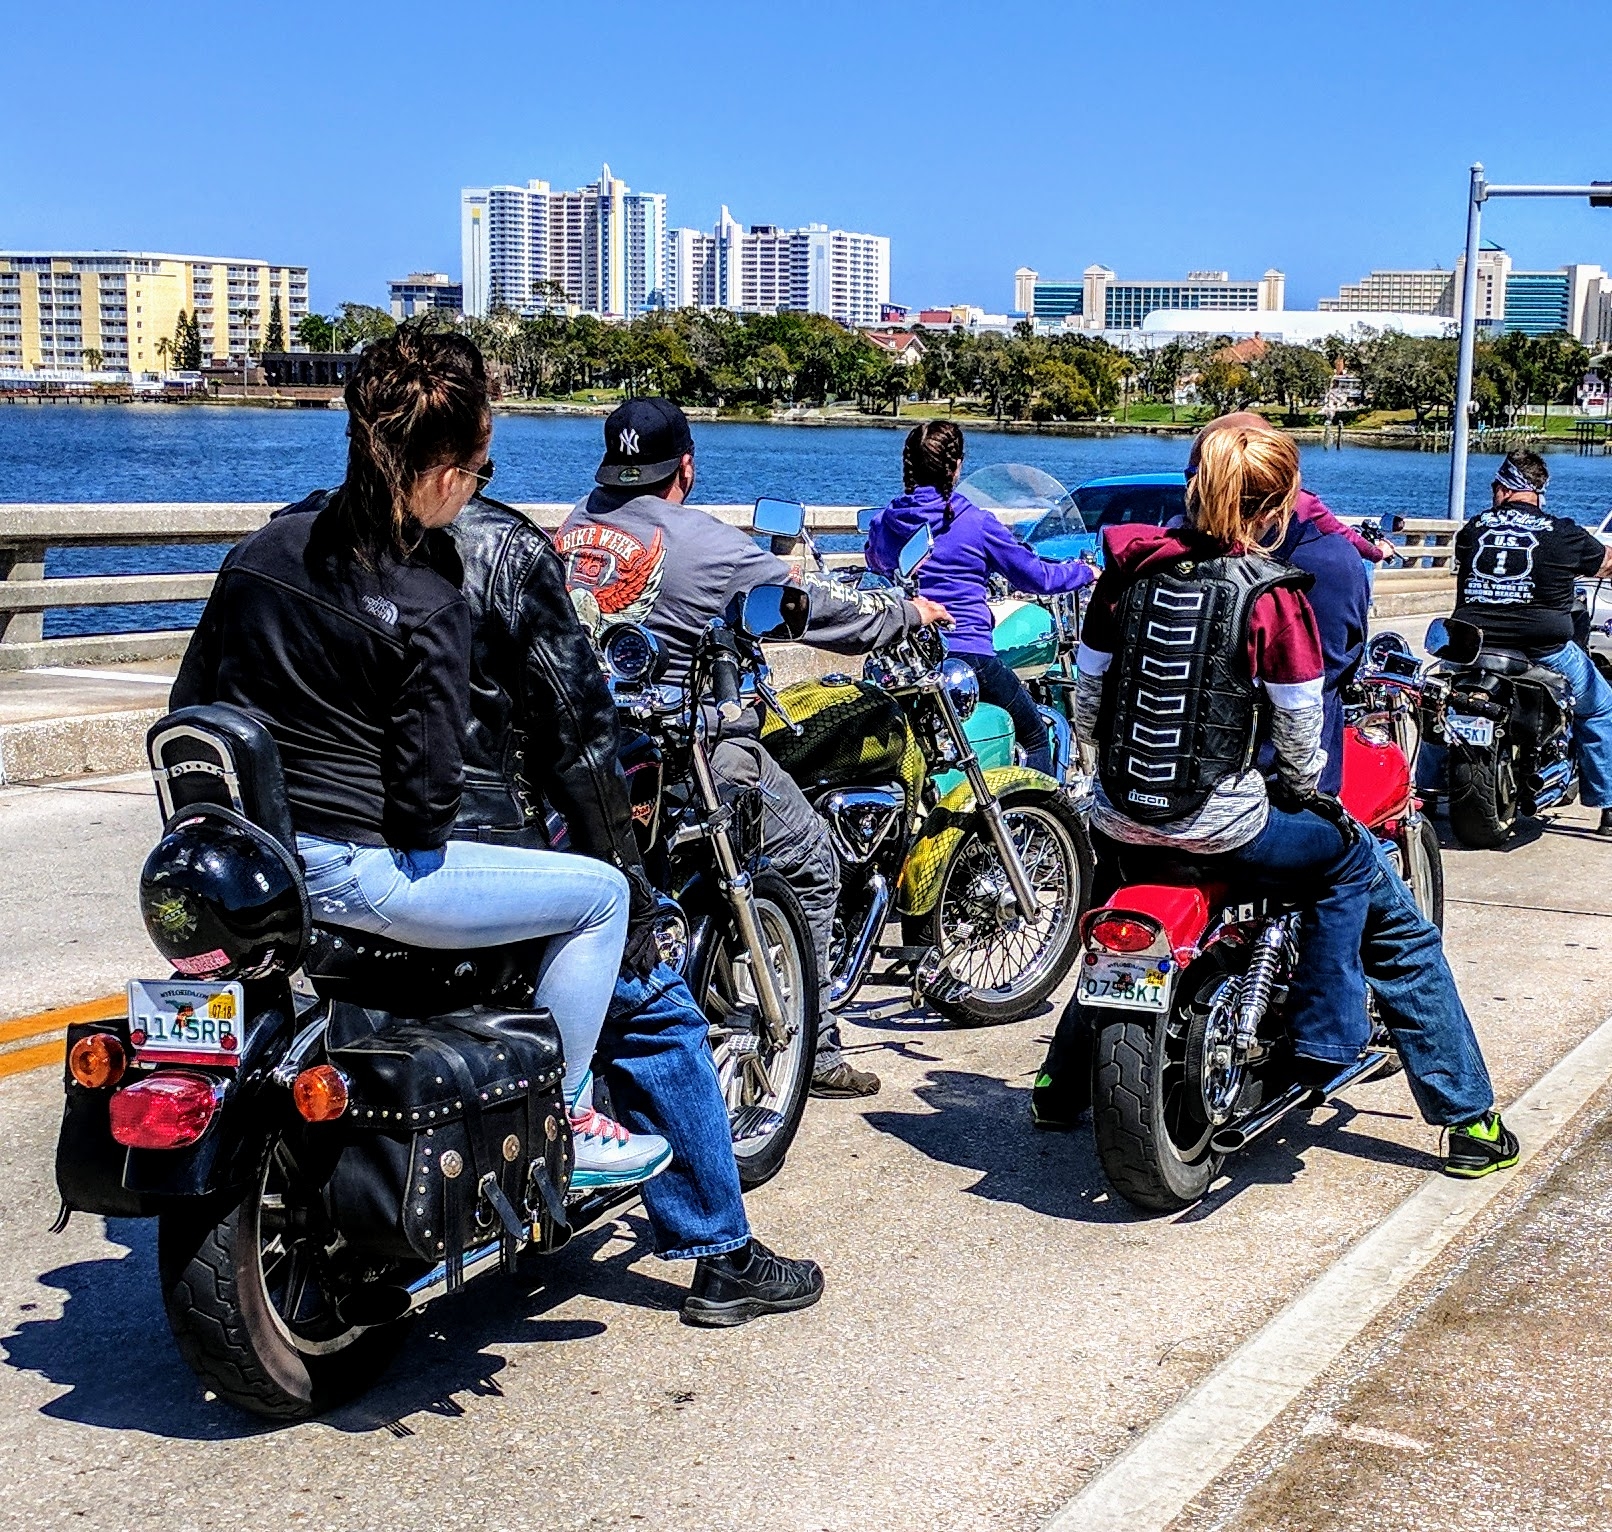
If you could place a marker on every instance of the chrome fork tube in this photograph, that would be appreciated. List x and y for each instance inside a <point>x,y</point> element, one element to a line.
<point>990,809</point>
<point>741,894</point>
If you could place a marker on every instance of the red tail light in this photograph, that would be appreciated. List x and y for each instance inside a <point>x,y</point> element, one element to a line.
<point>164,1111</point>
<point>1125,933</point>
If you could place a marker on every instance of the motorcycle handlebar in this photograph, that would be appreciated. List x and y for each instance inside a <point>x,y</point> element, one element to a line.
<point>725,679</point>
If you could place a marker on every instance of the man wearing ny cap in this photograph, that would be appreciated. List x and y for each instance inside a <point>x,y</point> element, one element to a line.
<point>649,557</point>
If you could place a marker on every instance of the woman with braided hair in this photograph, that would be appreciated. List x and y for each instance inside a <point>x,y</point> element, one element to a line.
<point>971,545</point>
<point>341,627</point>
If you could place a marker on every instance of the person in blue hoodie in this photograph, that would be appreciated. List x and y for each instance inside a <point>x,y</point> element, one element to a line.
<point>971,545</point>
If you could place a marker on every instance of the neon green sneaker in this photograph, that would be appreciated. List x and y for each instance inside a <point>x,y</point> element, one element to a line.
<point>1481,1147</point>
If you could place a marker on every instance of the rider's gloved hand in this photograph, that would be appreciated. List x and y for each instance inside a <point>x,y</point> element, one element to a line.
<point>641,956</point>
<point>1291,800</point>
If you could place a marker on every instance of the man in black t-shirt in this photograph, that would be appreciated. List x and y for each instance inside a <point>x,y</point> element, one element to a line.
<point>1516,568</point>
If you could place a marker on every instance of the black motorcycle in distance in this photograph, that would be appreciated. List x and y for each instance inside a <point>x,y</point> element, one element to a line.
<point>1508,724</point>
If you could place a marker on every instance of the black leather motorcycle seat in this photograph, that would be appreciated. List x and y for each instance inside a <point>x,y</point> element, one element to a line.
<point>1504,662</point>
<point>347,964</point>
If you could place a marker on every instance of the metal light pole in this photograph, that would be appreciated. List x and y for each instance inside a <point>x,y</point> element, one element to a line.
<point>1599,194</point>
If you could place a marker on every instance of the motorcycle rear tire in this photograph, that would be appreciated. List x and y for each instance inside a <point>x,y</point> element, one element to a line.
<point>1426,881</point>
<point>780,911</point>
<point>213,1288</point>
<point>1138,1155</point>
<point>970,1006</point>
<point>1483,795</point>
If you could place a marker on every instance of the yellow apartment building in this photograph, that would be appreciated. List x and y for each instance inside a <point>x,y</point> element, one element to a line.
<point>57,305</point>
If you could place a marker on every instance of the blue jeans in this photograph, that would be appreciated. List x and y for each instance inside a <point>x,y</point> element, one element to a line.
<point>1002,688</point>
<point>1419,1004</point>
<point>473,895</point>
<point>656,1060</point>
<point>1592,722</point>
<point>1304,856</point>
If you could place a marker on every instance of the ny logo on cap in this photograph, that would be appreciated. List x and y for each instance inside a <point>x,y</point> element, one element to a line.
<point>629,442</point>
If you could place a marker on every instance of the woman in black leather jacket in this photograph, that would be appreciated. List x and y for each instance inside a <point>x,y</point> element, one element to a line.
<point>342,627</point>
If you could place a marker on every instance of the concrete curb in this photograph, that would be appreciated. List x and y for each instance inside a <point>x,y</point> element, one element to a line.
<point>70,747</point>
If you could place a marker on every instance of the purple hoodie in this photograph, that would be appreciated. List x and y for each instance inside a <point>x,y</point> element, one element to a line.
<point>968,551</point>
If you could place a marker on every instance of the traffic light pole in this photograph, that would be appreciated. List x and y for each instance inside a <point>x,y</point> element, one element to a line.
<point>1599,194</point>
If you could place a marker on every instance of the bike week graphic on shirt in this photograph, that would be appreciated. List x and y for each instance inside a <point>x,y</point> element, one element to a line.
<point>1516,573</point>
<point>623,572</point>
<point>1502,568</point>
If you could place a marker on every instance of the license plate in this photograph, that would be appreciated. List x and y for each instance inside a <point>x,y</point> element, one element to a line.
<point>179,1022</point>
<point>1129,984</point>
<point>1475,731</point>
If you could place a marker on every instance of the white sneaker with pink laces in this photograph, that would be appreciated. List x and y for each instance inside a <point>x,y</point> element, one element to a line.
<point>606,1153</point>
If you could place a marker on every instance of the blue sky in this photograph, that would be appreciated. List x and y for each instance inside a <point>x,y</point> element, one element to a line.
<point>1324,140</point>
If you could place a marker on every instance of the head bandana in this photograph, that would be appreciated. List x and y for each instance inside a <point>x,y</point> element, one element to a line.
<point>1511,477</point>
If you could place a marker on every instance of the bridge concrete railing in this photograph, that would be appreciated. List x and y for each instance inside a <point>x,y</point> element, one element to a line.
<point>27,531</point>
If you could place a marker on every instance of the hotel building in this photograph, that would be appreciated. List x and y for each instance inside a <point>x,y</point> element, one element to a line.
<point>763,269</point>
<point>56,306</point>
<point>1102,301</point>
<point>422,292</point>
<point>602,245</point>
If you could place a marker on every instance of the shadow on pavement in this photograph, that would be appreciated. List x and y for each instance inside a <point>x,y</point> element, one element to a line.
<point>112,1351</point>
<point>983,1124</point>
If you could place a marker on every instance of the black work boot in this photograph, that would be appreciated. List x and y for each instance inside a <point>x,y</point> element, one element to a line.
<point>1605,826</point>
<point>735,1288</point>
<point>839,1081</point>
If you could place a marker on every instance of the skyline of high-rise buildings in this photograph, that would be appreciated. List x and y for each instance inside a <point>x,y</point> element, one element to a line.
<point>605,249</point>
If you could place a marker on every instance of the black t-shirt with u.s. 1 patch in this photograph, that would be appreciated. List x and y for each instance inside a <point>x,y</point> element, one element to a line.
<point>1515,568</point>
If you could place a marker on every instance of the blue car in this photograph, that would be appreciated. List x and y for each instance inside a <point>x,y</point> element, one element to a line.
<point>1074,528</point>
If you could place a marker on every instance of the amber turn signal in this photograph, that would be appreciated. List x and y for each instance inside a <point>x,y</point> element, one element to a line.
<point>97,1060</point>
<point>320,1093</point>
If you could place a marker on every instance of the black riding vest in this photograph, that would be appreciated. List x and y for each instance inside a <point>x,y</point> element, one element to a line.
<point>1180,709</point>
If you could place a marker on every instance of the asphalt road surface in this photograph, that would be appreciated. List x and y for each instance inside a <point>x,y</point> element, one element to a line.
<point>996,1328</point>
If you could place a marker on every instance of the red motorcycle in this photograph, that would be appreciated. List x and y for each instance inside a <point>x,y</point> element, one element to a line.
<point>1184,984</point>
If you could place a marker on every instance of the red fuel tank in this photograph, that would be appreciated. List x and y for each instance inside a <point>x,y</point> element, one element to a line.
<point>1376,779</point>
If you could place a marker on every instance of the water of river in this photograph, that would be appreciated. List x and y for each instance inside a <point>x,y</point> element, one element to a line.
<point>89,452</point>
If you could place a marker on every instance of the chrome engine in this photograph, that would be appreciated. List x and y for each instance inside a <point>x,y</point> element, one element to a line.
<point>860,819</point>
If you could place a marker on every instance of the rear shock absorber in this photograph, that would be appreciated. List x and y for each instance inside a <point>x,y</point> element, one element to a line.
<point>1260,978</point>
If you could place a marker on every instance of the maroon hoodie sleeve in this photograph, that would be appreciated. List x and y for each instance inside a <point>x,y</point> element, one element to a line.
<point>1312,508</point>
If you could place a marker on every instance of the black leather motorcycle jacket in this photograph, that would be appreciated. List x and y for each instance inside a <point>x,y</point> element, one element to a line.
<point>1180,709</point>
<point>542,721</point>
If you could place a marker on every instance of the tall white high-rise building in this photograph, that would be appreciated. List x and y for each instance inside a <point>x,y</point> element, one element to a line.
<point>602,245</point>
<point>764,269</point>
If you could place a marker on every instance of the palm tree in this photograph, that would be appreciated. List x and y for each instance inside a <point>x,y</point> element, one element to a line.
<point>163,347</point>
<point>92,359</point>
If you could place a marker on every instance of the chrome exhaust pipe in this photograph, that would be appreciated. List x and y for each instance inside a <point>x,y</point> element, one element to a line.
<point>435,1282</point>
<point>860,959</point>
<point>1240,1134</point>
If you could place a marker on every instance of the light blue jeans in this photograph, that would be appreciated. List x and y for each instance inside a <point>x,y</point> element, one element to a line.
<point>473,895</point>
<point>1592,722</point>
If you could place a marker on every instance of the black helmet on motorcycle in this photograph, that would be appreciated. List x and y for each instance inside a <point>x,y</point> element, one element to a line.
<point>222,899</point>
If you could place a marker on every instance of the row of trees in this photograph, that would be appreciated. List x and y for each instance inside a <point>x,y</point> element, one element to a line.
<point>791,359</point>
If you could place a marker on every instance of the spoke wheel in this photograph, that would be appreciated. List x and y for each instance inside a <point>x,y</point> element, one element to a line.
<point>997,964</point>
<point>764,1085</point>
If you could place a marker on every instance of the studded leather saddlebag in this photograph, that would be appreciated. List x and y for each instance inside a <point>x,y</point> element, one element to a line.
<point>455,1133</point>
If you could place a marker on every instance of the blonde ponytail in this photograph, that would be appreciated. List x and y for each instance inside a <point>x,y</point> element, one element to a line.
<point>1244,477</point>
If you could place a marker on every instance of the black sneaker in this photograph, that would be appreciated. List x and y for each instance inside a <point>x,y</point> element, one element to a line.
<point>1481,1147</point>
<point>735,1288</point>
<point>840,1082</point>
<point>1054,1108</point>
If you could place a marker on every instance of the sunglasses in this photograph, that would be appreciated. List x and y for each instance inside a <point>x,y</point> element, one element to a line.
<point>483,475</point>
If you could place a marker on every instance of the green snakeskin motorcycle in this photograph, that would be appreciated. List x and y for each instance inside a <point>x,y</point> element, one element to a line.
<point>986,864</point>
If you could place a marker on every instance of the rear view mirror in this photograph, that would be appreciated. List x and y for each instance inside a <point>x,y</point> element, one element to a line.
<point>1458,642</point>
<point>914,551</point>
<point>778,518</point>
<point>775,612</point>
<point>865,519</point>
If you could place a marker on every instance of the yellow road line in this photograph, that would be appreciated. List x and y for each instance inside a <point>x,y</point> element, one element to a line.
<point>60,1020</point>
<point>21,1060</point>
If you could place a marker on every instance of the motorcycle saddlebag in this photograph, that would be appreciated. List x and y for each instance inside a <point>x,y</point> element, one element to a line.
<point>455,1133</point>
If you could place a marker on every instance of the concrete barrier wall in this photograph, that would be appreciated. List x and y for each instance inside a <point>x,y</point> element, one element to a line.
<point>26,531</point>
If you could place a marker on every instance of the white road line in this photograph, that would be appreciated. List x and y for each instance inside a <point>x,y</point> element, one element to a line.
<point>76,673</point>
<point>1148,1486</point>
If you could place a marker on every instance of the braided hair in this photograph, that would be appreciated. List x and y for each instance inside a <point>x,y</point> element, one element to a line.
<point>933,456</point>
<point>415,401</point>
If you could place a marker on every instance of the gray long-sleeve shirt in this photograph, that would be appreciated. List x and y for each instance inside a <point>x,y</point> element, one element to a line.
<point>674,568</point>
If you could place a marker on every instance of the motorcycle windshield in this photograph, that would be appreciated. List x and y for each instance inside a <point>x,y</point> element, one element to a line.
<point>1034,504</point>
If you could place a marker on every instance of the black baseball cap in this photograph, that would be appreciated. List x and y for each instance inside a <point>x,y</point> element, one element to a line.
<point>645,440</point>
